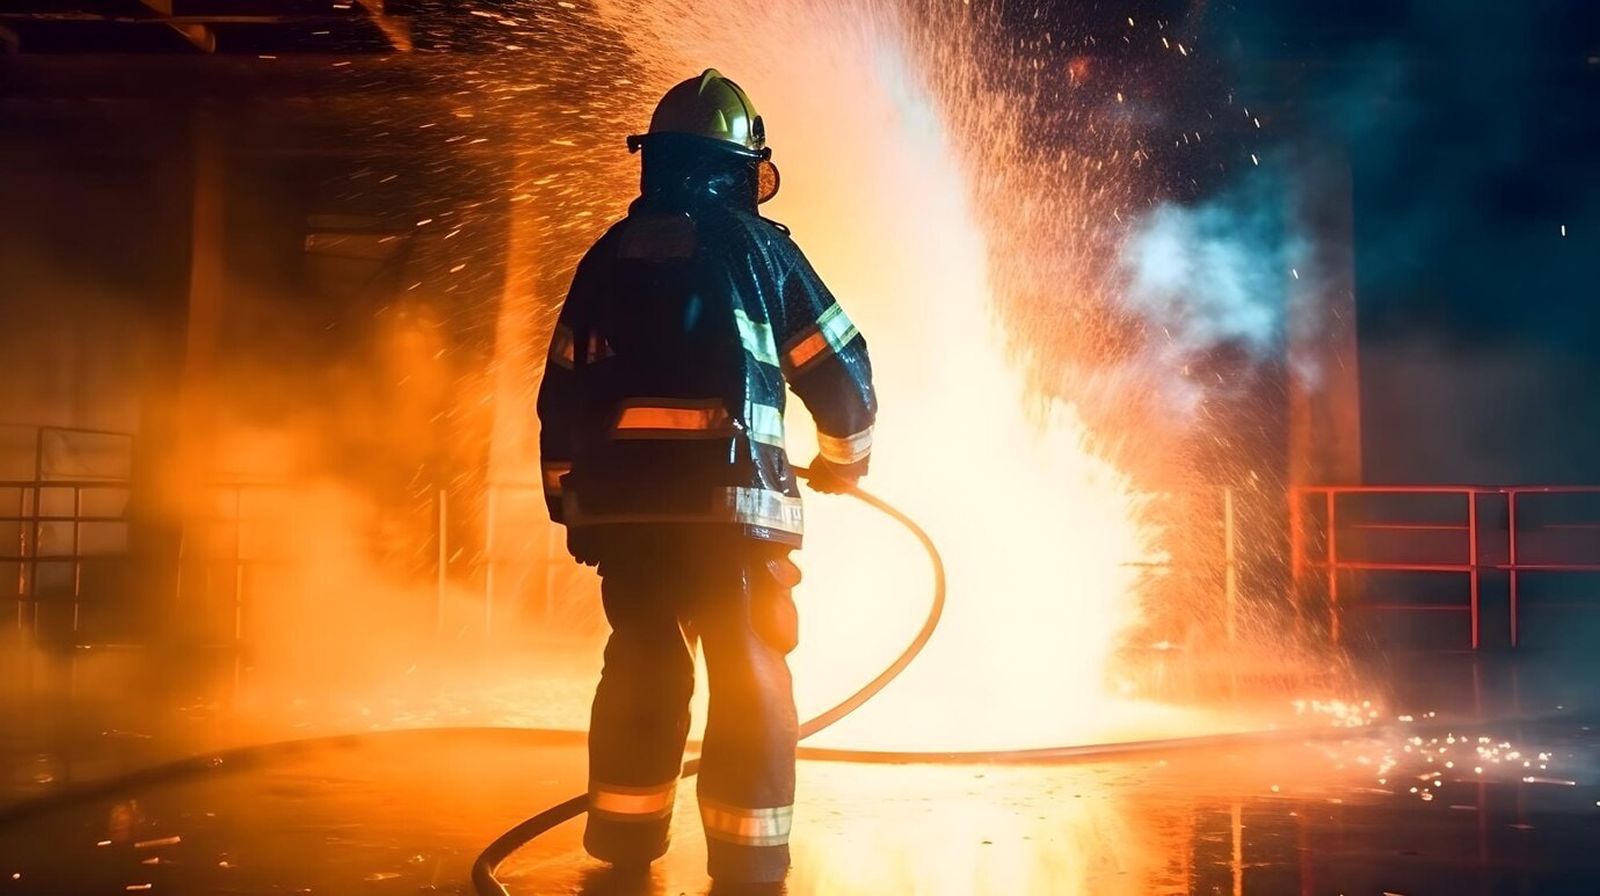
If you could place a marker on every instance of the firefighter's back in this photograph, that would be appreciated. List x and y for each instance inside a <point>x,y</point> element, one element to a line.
<point>680,417</point>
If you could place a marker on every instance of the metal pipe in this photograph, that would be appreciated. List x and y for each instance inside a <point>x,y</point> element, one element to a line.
<point>77,558</point>
<point>22,569</point>
<point>33,563</point>
<point>1472,557</point>
<point>1511,558</point>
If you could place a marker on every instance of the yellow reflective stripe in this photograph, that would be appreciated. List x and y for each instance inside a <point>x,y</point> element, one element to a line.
<point>757,338</point>
<point>747,827</point>
<point>561,347</point>
<point>747,506</point>
<point>766,424</point>
<point>833,331</point>
<point>667,418</point>
<point>845,450</point>
<point>837,327</point>
<point>632,803</point>
<point>553,471</point>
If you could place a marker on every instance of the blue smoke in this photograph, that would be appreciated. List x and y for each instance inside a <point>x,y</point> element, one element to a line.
<point>1216,274</point>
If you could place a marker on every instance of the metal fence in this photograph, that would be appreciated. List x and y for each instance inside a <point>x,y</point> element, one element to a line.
<point>71,546</point>
<point>71,543</point>
<point>1339,529</point>
<point>70,537</point>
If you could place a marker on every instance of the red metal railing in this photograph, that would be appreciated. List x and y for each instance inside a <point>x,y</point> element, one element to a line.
<point>1515,563</point>
<point>43,511</point>
<point>1328,563</point>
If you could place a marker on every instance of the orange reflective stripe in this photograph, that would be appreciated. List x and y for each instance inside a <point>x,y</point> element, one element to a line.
<point>632,803</point>
<point>553,471</point>
<point>672,418</point>
<point>744,826</point>
<point>832,332</point>
<point>683,419</point>
<point>807,350</point>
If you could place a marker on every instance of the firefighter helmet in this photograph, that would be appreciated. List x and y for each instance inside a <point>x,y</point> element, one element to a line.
<point>713,108</point>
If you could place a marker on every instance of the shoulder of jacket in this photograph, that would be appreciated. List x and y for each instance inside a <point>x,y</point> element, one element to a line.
<point>606,239</point>
<point>758,226</point>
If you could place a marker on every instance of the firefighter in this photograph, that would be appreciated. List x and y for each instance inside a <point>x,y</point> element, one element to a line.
<point>662,451</point>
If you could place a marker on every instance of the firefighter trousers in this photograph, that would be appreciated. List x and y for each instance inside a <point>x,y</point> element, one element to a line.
<point>735,599</point>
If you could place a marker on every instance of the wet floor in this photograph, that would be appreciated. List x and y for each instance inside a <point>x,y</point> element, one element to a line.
<point>1418,807</point>
<point>407,813</point>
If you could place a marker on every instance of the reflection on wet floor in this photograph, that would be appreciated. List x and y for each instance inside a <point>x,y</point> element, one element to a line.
<point>404,812</point>
<point>1487,808</point>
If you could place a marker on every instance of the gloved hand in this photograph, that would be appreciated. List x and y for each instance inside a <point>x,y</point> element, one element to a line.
<point>832,479</point>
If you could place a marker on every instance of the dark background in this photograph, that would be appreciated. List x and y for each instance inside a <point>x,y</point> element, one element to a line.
<point>1473,135</point>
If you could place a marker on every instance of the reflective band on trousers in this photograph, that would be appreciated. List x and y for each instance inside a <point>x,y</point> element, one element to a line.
<point>846,450</point>
<point>832,332</point>
<point>632,803</point>
<point>747,827</point>
<point>757,338</point>
<point>561,347</point>
<point>553,471</point>
<point>748,506</point>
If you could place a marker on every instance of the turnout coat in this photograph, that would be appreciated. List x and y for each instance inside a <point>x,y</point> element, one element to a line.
<point>663,398</point>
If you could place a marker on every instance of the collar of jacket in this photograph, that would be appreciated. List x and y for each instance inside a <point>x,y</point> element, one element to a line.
<point>687,182</point>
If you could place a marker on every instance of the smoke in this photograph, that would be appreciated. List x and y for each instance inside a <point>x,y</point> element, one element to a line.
<point>1214,275</point>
